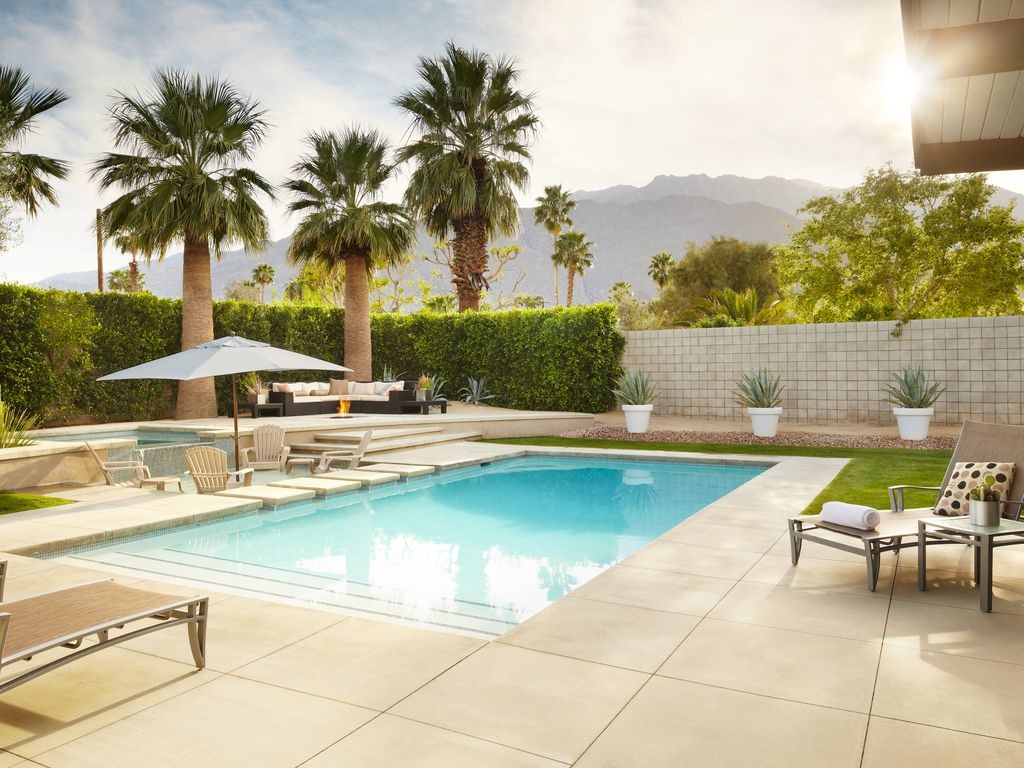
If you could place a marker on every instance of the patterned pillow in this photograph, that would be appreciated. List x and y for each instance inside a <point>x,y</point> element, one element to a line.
<point>966,475</point>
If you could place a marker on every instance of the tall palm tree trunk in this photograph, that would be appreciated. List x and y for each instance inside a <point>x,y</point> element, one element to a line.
<point>358,346</point>
<point>196,399</point>
<point>556,286</point>
<point>569,286</point>
<point>469,260</point>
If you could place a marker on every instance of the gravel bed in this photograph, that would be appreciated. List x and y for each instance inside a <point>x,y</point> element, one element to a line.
<point>796,439</point>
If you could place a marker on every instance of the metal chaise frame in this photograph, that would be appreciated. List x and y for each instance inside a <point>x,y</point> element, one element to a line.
<point>192,611</point>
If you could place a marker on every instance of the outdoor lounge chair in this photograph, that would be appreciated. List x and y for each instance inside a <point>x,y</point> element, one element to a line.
<point>898,527</point>
<point>63,619</point>
<point>268,450</point>
<point>141,478</point>
<point>322,463</point>
<point>208,467</point>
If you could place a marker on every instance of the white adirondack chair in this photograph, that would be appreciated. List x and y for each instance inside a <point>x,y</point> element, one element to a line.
<point>268,450</point>
<point>208,467</point>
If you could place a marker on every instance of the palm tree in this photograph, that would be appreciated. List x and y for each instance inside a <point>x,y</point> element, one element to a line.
<point>338,187</point>
<point>573,250</point>
<point>552,212</point>
<point>658,271</point>
<point>183,178</point>
<point>474,128</point>
<point>23,178</point>
<point>740,308</point>
<point>262,276</point>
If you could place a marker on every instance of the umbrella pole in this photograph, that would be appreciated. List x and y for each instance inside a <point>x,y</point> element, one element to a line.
<point>234,409</point>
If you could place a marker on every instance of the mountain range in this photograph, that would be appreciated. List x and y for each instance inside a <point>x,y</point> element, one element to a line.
<point>626,224</point>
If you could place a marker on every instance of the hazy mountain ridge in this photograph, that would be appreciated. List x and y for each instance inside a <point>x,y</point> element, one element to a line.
<point>626,224</point>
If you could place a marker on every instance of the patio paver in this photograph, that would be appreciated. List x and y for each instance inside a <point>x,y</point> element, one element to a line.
<point>364,477</point>
<point>269,495</point>
<point>321,486</point>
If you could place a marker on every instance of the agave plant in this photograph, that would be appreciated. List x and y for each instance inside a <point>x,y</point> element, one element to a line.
<point>914,389</point>
<point>474,392</point>
<point>439,383</point>
<point>759,389</point>
<point>634,387</point>
<point>387,373</point>
<point>15,426</point>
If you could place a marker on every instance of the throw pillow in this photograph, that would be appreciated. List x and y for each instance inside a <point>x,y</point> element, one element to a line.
<point>966,475</point>
<point>338,387</point>
<point>363,388</point>
<point>381,387</point>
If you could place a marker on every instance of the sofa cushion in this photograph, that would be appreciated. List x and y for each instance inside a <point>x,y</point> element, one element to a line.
<point>339,387</point>
<point>363,388</point>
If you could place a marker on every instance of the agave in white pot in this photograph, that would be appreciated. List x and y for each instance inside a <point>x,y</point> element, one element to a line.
<point>635,392</point>
<point>761,394</point>
<point>913,399</point>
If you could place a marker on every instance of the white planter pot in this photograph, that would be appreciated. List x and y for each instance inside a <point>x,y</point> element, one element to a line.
<point>259,399</point>
<point>637,417</point>
<point>765,421</point>
<point>913,422</point>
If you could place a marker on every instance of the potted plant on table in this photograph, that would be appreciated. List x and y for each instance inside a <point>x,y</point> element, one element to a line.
<point>984,503</point>
<point>913,399</point>
<point>761,394</point>
<point>424,388</point>
<point>255,389</point>
<point>635,392</point>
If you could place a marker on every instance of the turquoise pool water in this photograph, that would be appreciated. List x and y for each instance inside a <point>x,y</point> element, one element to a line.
<point>477,549</point>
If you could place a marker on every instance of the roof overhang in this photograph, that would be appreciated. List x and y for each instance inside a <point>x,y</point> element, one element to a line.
<point>968,112</point>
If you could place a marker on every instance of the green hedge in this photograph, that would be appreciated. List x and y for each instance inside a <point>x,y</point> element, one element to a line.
<point>554,359</point>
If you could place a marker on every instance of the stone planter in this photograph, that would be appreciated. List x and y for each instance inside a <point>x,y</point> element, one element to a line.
<point>638,417</point>
<point>913,422</point>
<point>765,421</point>
<point>259,399</point>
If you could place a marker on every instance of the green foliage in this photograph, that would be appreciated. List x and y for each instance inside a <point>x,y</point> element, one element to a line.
<point>901,246</point>
<point>730,308</point>
<point>635,387</point>
<point>633,314</point>
<point>719,264</point>
<point>475,391</point>
<point>68,324</point>
<point>528,301</point>
<point>22,502</point>
<point>555,359</point>
<point>443,303</point>
<point>914,389</point>
<point>984,491</point>
<point>15,426</point>
<point>759,389</point>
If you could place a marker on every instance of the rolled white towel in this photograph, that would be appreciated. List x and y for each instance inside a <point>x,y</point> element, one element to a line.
<point>850,515</point>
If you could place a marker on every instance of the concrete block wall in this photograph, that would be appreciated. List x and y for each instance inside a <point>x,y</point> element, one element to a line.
<point>834,372</point>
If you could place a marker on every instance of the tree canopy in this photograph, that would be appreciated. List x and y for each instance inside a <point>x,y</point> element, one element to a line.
<point>900,246</point>
<point>720,263</point>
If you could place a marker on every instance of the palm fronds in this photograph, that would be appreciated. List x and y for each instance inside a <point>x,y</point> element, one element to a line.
<point>15,426</point>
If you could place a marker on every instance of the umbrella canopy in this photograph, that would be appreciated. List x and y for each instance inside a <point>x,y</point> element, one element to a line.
<point>224,357</point>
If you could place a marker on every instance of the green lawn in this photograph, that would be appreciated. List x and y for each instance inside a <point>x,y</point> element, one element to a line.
<point>863,481</point>
<point>21,502</point>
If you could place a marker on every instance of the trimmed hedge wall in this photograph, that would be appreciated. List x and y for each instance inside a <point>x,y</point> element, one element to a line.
<point>545,359</point>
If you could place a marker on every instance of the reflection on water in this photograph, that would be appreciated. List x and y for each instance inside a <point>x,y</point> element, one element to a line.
<point>491,545</point>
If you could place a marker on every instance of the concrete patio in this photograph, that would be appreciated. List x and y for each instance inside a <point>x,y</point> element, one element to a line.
<point>704,648</point>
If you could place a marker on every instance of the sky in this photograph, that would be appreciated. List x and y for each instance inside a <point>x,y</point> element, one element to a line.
<point>625,89</point>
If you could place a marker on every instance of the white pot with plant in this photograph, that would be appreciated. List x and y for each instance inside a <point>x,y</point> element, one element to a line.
<point>761,394</point>
<point>424,388</point>
<point>255,389</point>
<point>913,399</point>
<point>635,392</point>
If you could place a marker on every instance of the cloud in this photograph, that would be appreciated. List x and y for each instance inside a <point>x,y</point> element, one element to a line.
<point>626,89</point>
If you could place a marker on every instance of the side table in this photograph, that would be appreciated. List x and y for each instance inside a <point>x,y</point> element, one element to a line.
<point>984,540</point>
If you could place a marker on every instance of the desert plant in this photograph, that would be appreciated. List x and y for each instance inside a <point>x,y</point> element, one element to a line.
<point>15,426</point>
<point>914,389</point>
<point>634,387</point>
<point>252,384</point>
<point>438,388</point>
<point>984,491</point>
<point>387,373</point>
<point>759,389</point>
<point>425,382</point>
<point>474,392</point>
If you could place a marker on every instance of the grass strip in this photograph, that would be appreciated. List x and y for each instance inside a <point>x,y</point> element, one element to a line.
<point>22,502</point>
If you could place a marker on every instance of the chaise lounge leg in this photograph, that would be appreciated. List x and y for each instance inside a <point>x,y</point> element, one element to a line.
<point>197,631</point>
<point>874,558</point>
<point>795,542</point>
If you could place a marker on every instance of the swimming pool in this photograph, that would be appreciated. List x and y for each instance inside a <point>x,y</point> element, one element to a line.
<point>142,436</point>
<point>477,549</point>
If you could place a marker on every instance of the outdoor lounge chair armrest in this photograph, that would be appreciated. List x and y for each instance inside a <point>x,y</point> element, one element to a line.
<point>896,501</point>
<point>3,579</point>
<point>123,464</point>
<point>245,475</point>
<point>244,454</point>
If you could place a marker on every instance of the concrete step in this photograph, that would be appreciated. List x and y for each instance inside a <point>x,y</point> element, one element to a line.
<point>355,435</point>
<point>421,440</point>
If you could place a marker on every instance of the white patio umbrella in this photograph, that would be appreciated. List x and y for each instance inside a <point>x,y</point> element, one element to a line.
<point>228,356</point>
